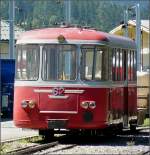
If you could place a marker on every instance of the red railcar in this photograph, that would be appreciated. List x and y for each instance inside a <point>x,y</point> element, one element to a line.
<point>74,78</point>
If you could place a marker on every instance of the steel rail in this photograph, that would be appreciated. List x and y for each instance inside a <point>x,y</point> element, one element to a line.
<point>59,149</point>
<point>144,152</point>
<point>32,149</point>
<point>65,148</point>
<point>128,131</point>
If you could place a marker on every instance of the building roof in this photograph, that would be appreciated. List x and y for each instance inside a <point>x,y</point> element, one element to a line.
<point>145,26</point>
<point>4,28</point>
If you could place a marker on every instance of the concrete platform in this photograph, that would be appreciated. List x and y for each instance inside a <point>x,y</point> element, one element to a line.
<point>10,132</point>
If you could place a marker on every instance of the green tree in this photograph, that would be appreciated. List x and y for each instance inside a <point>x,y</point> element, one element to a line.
<point>103,15</point>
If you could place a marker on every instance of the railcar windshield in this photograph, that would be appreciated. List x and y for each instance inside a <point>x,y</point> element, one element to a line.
<point>59,62</point>
<point>94,63</point>
<point>27,65</point>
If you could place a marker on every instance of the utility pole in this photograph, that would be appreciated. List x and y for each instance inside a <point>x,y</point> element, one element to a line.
<point>68,11</point>
<point>138,32</point>
<point>138,48</point>
<point>126,23</point>
<point>11,28</point>
<point>138,37</point>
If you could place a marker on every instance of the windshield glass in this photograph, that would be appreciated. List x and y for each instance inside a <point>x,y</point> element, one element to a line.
<point>94,63</point>
<point>59,62</point>
<point>27,62</point>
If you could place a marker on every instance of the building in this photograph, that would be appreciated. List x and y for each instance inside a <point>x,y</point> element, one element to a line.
<point>4,38</point>
<point>7,70</point>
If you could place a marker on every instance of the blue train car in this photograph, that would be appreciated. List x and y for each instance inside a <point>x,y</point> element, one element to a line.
<point>7,67</point>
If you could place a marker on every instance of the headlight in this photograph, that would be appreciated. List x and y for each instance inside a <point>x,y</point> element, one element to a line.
<point>24,104</point>
<point>92,104</point>
<point>85,104</point>
<point>31,104</point>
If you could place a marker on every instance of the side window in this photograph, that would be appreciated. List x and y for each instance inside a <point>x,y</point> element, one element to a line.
<point>87,63</point>
<point>101,66</point>
<point>94,63</point>
<point>134,65</point>
<point>114,64</point>
<point>131,65</point>
<point>121,65</point>
<point>132,68</point>
<point>99,61</point>
<point>117,65</point>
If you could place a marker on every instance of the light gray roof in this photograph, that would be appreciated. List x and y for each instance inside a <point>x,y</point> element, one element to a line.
<point>145,24</point>
<point>4,31</point>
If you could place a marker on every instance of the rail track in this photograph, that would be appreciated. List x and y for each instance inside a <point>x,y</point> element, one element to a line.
<point>145,153</point>
<point>32,149</point>
<point>67,144</point>
<point>58,149</point>
<point>41,147</point>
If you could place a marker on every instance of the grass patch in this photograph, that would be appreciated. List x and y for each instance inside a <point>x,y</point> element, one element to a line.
<point>9,146</point>
<point>146,122</point>
<point>35,139</point>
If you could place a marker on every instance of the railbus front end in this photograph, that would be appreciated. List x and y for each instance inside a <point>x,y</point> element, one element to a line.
<point>75,79</point>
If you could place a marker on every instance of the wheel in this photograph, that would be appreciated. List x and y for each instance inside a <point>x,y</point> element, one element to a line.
<point>48,134</point>
<point>133,127</point>
<point>110,131</point>
<point>119,128</point>
<point>73,132</point>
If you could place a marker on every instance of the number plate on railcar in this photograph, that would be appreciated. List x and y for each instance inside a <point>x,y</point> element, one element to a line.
<point>57,124</point>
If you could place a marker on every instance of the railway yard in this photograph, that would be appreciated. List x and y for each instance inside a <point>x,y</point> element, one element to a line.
<point>124,143</point>
<point>73,81</point>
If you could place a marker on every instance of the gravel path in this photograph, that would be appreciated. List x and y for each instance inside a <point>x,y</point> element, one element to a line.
<point>87,149</point>
<point>121,144</point>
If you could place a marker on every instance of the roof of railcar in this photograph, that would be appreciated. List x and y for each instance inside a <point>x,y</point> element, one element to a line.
<point>74,35</point>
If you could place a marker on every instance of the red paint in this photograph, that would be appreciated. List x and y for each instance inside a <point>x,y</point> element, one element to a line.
<point>68,33</point>
<point>32,118</point>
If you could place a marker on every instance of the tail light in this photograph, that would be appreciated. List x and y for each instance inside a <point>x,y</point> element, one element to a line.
<point>32,104</point>
<point>92,104</point>
<point>24,104</point>
<point>84,104</point>
<point>28,103</point>
<point>88,104</point>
